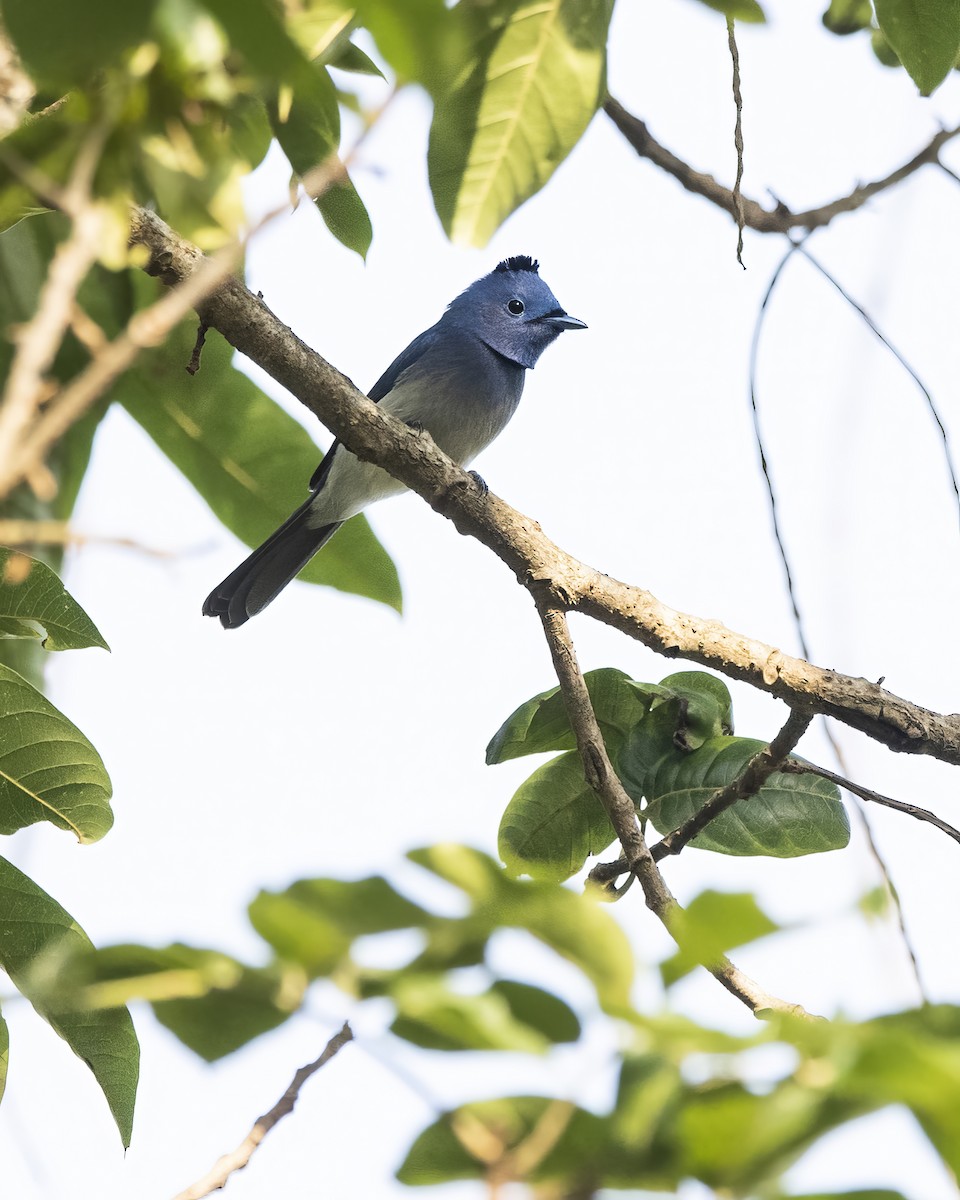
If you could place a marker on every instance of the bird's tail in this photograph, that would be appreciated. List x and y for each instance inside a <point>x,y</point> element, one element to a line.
<point>261,577</point>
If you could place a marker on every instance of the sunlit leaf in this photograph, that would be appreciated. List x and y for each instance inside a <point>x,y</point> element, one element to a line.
<point>713,923</point>
<point>34,925</point>
<point>34,603</point>
<point>48,770</point>
<point>925,35</point>
<point>740,10</point>
<point>533,79</point>
<point>461,1143</point>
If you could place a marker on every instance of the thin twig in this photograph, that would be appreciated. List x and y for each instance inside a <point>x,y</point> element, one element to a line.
<point>885,341</point>
<point>237,1159</point>
<point>912,810</point>
<point>756,217</point>
<point>737,138</point>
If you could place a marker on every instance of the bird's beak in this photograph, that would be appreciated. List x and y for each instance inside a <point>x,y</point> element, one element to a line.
<point>563,320</point>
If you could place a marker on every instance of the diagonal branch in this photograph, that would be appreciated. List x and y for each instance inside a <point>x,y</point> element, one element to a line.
<point>236,1160</point>
<point>414,459</point>
<point>603,779</point>
<point>755,216</point>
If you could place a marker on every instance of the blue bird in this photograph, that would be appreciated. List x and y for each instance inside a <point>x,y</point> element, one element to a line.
<point>460,380</point>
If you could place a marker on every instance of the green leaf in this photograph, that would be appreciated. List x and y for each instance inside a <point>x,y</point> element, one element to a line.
<point>420,39</point>
<point>710,925</point>
<point>433,1016</point>
<point>791,815</point>
<point>210,1001</point>
<point>246,457</point>
<point>577,927</point>
<point>739,10</point>
<point>346,215</point>
<point>647,1092</point>
<point>64,43</point>
<point>314,921</point>
<point>707,705</point>
<point>533,78</point>
<point>349,57</point>
<point>48,769</point>
<point>542,724</point>
<point>34,603</point>
<point>35,925</point>
<point>553,823</point>
<point>925,34</point>
<point>541,1010</point>
<point>441,1153</point>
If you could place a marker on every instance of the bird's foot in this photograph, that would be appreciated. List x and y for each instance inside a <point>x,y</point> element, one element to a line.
<point>480,482</point>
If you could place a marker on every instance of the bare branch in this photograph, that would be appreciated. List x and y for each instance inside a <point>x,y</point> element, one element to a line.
<point>779,219</point>
<point>237,1159</point>
<point>562,580</point>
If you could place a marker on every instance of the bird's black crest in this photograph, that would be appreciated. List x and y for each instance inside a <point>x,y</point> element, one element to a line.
<point>519,262</point>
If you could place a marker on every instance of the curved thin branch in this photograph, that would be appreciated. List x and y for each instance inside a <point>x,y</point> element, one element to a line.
<point>236,1160</point>
<point>755,216</point>
<point>547,571</point>
<point>865,793</point>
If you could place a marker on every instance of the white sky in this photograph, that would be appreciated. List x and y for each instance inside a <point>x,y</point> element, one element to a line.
<point>329,736</point>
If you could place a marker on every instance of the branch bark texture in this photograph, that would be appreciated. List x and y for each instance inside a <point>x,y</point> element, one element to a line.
<point>553,576</point>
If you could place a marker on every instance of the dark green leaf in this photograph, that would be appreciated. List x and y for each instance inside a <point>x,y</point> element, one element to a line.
<point>925,34</point>
<point>64,43</point>
<point>533,77</point>
<point>420,39</point>
<point>542,1011</point>
<point>349,57</point>
<point>441,1153</point>
<point>34,603</point>
<point>541,724</point>
<point>713,923</point>
<point>740,10</point>
<point>250,129</point>
<point>48,769</point>
<point>707,706</point>
<point>33,924</point>
<point>791,815</point>
<point>314,921</point>
<point>346,215</point>
<point>246,457</point>
<point>309,129</point>
<point>553,823</point>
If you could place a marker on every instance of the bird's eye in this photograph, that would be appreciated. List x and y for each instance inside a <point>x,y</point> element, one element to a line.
<point>516,307</point>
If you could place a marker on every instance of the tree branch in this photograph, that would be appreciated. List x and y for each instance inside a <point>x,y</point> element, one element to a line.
<point>236,1160</point>
<point>755,216</point>
<point>603,779</point>
<point>540,565</point>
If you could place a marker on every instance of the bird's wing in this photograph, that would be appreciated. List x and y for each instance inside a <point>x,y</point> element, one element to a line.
<point>384,384</point>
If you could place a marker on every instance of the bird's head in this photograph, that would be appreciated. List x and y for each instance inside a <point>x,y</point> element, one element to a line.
<point>513,311</point>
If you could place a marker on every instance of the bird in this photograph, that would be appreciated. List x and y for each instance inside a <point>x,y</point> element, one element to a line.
<point>460,380</point>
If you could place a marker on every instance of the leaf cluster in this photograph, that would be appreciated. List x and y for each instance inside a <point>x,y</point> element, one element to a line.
<point>673,747</point>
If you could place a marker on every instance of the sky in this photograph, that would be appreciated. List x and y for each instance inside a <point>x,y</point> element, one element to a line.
<point>330,736</point>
